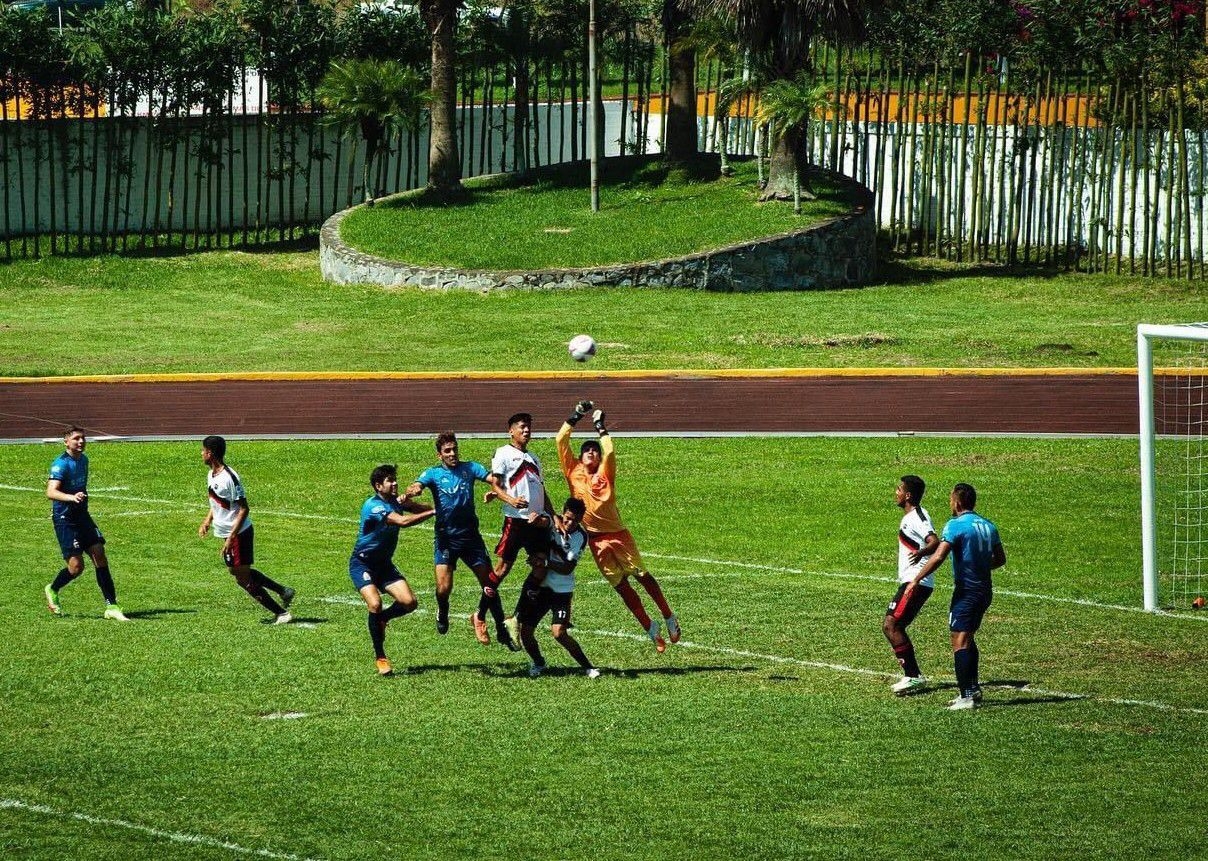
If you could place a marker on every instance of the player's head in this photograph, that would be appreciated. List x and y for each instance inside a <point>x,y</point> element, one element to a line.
<point>964,498</point>
<point>572,512</point>
<point>383,475</point>
<point>446,447</point>
<point>74,439</point>
<point>590,454</point>
<point>213,448</point>
<point>520,429</point>
<point>910,490</point>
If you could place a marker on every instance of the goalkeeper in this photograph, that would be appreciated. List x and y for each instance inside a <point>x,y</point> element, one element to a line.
<point>592,478</point>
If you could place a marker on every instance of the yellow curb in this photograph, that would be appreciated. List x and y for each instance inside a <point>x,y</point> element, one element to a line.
<point>702,373</point>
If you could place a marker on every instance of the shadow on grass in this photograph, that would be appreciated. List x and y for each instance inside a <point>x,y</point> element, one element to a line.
<point>162,611</point>
<point>899,269</point>
<point>164,250</point>
<point>511,671</point>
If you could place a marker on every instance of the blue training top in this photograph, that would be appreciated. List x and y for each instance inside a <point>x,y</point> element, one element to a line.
<point>973,539</point>
<point>376,538</point>
<point>72,475</point>
<point>453,497</point>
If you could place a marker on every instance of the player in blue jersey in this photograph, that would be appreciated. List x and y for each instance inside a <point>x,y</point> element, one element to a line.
<point>457,533</point>
<point>976,550</point>
<point>67,488</point>
<point>371,565</point>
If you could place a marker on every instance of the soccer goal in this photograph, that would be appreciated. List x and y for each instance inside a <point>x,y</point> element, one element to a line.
<point>1172,375</point>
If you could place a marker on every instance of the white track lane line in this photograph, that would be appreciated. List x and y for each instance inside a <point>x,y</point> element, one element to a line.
<point>180,505</point>
<point>170,836</point>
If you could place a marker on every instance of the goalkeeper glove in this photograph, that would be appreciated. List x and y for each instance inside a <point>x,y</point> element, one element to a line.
<point>581,409</point>
<point>597,419</point>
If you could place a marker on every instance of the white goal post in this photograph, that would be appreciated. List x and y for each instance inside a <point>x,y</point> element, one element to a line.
<point>1174,487</point>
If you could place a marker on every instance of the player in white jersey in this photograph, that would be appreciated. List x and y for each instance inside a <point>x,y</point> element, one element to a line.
<point>525,526</point>
<point>231,519</point>
<point>567,543</point>
<point>916,542</point>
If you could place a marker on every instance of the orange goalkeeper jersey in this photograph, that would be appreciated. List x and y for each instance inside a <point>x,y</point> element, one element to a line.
<point>598,491</point>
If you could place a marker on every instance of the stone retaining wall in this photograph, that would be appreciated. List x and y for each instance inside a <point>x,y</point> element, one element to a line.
<point>835,253</point>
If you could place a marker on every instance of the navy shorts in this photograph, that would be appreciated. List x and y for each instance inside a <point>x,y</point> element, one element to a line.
<point>518,534</point>
<point>242,553</point>
<point>77,534</point>
<point>363,574</point>
<point>905,611</point>
<point>470,550</point>
<point>532,610</point>
<point>967,609</point>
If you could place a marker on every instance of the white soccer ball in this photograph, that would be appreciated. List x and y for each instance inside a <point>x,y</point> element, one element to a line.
<point>581,347</point>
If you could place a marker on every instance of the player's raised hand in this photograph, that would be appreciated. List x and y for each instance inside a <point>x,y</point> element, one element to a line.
<point>581,409</point>
<point>597,419</point>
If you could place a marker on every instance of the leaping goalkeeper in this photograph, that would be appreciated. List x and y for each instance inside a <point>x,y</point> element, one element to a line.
<point>592,478</point>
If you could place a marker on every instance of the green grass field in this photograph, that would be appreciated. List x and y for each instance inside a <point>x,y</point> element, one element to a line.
<point>769,731</point>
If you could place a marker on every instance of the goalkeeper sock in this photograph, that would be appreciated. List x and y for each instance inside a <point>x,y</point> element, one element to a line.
<point>634,603</point>
<point>905,656</point>
<point>655,592</point>
<point>61,579</point>
<point>963,661</point>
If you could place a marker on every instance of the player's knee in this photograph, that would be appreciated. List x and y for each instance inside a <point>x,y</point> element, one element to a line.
<point>242,575</point>
<point>890,626</point>
<point>374,604</point>
<point>410,604</point>
<point>99,559</point>
<point>559,632</point>
<point>75,566</point>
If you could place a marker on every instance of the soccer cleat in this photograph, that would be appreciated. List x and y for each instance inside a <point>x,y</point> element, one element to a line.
<point>977,693</point>
<point>287,597</point>
<point>283,618</point>
<point>673,628</point>
<point>654,632</point>
<point>113,611</point>
<point>442,625</point>
<point>512,625</point>
<point>52,600</point>
<point>962,704</point>
<point>384,668</point>
<point>512,645</point>
<point>536,670</point>
<point>592,673</point>
<point>480,629</point>
<point>908,684</point>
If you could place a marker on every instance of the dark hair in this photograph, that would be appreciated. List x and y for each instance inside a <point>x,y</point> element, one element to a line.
<point>966,496</point>
<point>588,445</point>
<point>915,486</point>
<point>74,429</point>
<point>381,473</point>
<point>445,438</point>
<point>215,445</point>
<point>527,418</point>
<point>576,505</point>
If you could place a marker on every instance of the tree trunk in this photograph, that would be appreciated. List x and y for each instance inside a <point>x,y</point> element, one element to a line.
<point>785,164</point>
<point>444,162</point>
<point>681,94</point>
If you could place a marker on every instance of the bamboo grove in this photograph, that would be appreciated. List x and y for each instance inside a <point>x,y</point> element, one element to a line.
<point>1066,134</point>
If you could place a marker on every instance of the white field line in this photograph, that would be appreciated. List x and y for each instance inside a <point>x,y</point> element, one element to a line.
<point>171,836</point>
<point>751,566</point>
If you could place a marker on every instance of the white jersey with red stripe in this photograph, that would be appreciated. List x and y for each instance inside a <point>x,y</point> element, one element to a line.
<point>912,534</point>
<point>520,472</point>
<point>225,492</point>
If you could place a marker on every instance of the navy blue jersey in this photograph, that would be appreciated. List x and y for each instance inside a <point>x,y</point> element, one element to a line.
<point>453,497</point>
<point>377,538</point>
<point>72,475</point>
<point>973,539</point>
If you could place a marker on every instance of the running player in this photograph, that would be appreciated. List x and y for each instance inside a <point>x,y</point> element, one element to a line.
<point>457,533</point>
<point>916,542</point>
<point>592,478</point>
<point>371,565</point>
<point>67,489</point>
<point>231,518</point>
<point>567,543</point>
<point>976,551</point>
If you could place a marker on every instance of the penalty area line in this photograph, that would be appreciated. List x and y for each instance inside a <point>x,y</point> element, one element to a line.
<point>150,831</point>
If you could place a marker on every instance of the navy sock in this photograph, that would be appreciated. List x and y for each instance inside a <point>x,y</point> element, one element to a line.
<point>974,677</point>
<point>965,678</point>
<point>442,608</point>
<point>394,611</point>
<point>105,580</point>
<point>377,633</point>
<point>61,579</point>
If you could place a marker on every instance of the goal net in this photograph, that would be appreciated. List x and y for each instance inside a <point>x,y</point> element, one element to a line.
<point>1172,374</point>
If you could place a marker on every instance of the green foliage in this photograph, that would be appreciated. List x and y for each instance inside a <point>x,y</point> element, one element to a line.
<point>292,44</point>
<point>365,32</point>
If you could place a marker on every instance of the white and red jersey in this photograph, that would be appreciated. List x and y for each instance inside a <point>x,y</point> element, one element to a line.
<point>520,472</point>
<point>912,534</point>
<point>225,492</point>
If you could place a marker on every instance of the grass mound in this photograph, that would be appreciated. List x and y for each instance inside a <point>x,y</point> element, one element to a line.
<point>648,211</point>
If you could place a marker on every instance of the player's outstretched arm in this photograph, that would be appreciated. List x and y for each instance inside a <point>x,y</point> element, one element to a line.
<point>404,520</point>
<point>497,492</point>
<point>413,490</point>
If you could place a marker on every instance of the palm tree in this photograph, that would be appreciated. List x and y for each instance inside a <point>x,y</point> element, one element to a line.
<point>444,159</point>
<point>785,107</point>
<point>681,91</point>
<point>376,98</point>
<point>777,34</point>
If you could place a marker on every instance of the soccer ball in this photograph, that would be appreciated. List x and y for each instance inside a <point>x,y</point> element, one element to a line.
<point>1198,603</point>
<point>581,347</point>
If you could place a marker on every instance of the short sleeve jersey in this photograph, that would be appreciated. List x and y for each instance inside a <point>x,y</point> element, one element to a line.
<point>453,496</point>
<point>225,492</point>
<point>522,476</point>
<point>72,475</point>
<point>565,550</point>
<point>973,539</point>
<point>912,534</point>
<point>376,538</point>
